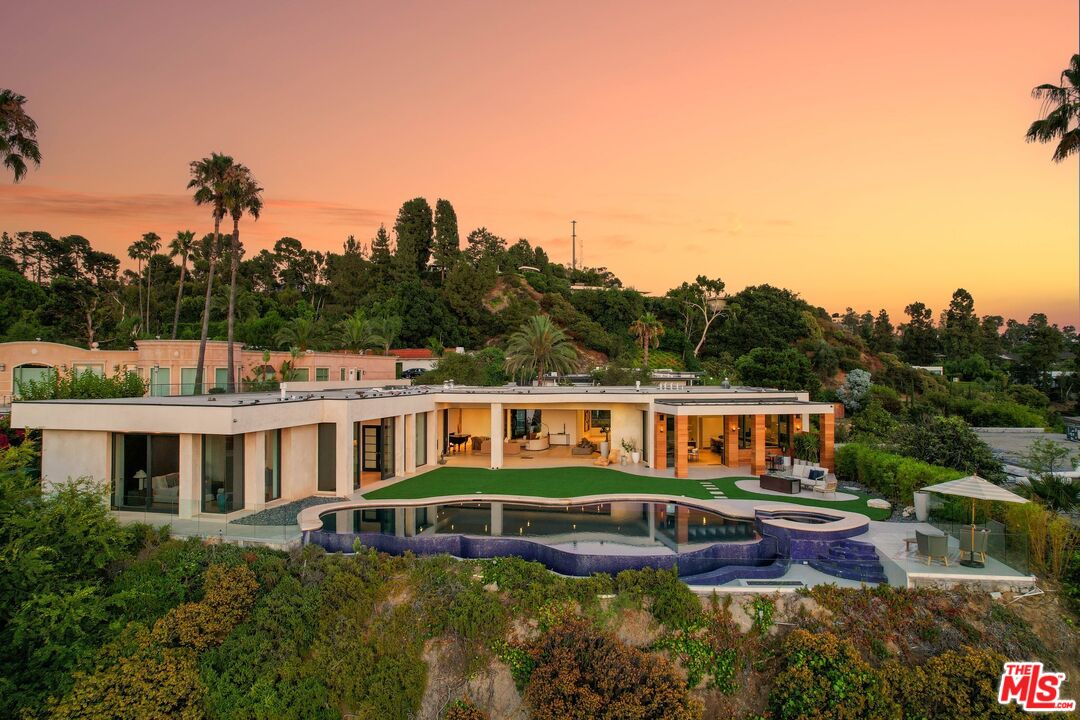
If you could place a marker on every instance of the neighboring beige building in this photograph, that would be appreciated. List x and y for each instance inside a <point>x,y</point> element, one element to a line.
<point>169,365</point>
<point>228,453</point>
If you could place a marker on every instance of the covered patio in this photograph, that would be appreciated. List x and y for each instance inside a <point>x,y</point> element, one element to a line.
<point>732,433</point>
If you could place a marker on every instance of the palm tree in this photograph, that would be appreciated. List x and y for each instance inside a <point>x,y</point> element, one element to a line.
<point>358,332</point>
<point>540,346</point>
<point>139,251</point>
<point>181,245</point>
<point>387,326</point>
<point>1060,110</point>
<point>301,333</point>
<point>242,195</point>
<point>647,329</point>
<point>18,134</point>
<point>152,243</point>
<point>209,179</point>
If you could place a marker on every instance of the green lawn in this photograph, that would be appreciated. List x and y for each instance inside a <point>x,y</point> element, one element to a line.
<point>581,481</point>
<point>538,482</point>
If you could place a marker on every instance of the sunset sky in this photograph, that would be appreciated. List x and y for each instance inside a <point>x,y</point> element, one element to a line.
<point>860,153</point>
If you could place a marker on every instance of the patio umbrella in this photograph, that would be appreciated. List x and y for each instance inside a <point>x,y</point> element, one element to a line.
<point>976,488</point>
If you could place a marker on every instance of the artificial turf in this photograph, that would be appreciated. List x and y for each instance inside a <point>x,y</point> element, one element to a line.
<point>568,482</point>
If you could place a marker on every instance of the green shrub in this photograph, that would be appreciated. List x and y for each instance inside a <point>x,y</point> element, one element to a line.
<point>955,685</point>
<point>894,476</point>
<point>824,677</point>
<point>673,603</point>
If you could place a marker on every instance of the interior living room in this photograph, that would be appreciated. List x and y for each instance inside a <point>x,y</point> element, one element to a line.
<point>542,434</point>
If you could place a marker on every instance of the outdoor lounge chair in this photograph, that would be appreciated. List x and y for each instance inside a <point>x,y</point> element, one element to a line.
<point>982,538</point>
<point>933,546</point>
<point>826,486</point>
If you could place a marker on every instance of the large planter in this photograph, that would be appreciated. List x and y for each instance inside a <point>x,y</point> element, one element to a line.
<point>605,448</point>
<point>922,506</point>
<point>635,457</point>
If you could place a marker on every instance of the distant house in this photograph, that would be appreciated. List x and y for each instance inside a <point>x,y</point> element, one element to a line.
<point>932,369</point>
<point>417,359</point>
<point>169,365</point>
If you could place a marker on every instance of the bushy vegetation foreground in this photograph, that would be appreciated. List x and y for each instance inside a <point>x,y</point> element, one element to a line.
<point>103,621</point>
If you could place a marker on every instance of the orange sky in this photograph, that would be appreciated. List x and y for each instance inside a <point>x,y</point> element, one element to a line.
<point>860,153</point>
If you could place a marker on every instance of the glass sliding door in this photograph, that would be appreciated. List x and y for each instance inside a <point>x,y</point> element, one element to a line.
<point>146,472</point>
<point>372,448</point>
<point>388,459</point>
<point>223,473</point>
<point>327,460</point>
<point>272,466</point>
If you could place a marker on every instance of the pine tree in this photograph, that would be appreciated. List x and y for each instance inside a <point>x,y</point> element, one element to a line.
<point>381,258</point>
<point>447,240</point>
<point>414,229</point>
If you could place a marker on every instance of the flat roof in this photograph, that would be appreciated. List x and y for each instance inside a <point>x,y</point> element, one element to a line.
<point>700,394</point>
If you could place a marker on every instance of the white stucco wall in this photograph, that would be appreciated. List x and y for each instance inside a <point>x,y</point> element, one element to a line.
<point>71,454</point>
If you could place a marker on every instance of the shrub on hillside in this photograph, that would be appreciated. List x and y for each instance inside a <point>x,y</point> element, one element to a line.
<point>464,709</point>
<point>955,685</point>
<point>584,673</point>
<point>949,442</point>
<point>894,476</point>
<point>824,677</point>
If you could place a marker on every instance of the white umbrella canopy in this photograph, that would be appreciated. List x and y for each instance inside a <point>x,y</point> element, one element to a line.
<point>977,488</point>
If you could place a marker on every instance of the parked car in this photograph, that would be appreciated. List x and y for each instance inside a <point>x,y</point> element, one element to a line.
<point>412,373</point>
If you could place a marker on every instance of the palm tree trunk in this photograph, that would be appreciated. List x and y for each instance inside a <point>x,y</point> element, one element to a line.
<point>206,306</point>
<point>143,328</point>
<point>179,295</point>
<point>230,384</point>
<point>645,342</point>
<point>148,294</point>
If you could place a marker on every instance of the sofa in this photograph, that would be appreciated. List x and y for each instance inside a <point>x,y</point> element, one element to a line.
<point>165,488</point>
<point>585,447</point>
<point>510,447</point>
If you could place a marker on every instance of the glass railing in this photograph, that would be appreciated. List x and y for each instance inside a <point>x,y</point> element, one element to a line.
<point>270,523</point>
<point>1004,547</point>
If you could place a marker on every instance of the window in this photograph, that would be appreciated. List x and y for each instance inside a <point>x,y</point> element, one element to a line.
<point>388,459</point>
<point>89,367</point>
<point>342,373</point>
<point>326,463</point>
<point>746,427</point>
<point>300,374</point>
<point>223,473</point>
<point>221,378</point>
<point>599,419</point>
<point>322,374</point>
<point>187,382</point>
<point>146,472</point>
<point>524,423</point>
<point>421,439</point>
<point>160,384</point>
<point>25,374</point>
<point>272,465</point>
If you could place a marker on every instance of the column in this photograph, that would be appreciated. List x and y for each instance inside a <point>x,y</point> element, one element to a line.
<point>410,521</point>
<point>497,436</point>
<point>682,440</point>
<point>343,522</point>
<point>410,443</point>
<point>343,462</point>
<point>682,524</point>
<point>399,445</point>
<point>652,521</point>
<point>825,441</point>
<point>731,440</point>
<point>757,444</point>
<point>659,456</point>
<point>650,437</point>
<point>496,519</point>
<point>432,438</point>
<point>399,522</point>
<point>254,470</point>
<point>190,475</point>
<point>793,431</point>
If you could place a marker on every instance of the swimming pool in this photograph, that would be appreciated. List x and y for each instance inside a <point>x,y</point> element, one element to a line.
<point>702,539</point>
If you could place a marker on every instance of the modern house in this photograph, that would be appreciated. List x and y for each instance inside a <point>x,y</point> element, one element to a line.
<point>225,453</point>
<point>169,365</point>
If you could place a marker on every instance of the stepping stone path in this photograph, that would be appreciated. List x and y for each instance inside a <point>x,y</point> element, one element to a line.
<point>711,488</point>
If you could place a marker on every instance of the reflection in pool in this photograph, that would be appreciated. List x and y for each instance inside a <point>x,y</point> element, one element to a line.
<point>607,528</point>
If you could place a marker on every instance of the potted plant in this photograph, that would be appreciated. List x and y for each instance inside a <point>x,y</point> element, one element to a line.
<point>629,445</point>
